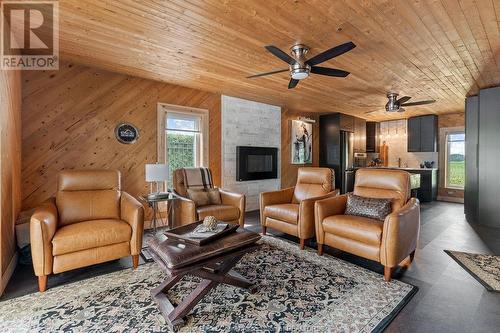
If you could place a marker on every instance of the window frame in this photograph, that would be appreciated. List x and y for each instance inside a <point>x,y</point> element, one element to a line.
<point>161,140</point>
<point>447,155</point>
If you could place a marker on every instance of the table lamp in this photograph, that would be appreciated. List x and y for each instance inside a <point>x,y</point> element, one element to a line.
<point>156,173</point>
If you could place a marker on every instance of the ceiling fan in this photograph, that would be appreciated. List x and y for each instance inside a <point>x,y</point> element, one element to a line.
<point>396,105</point>
<point>300,67</point>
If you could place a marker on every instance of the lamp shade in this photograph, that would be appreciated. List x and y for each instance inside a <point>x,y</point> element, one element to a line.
<point>156,172</point>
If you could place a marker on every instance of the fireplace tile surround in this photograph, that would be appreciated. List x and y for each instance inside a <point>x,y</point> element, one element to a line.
<point>248,123</point>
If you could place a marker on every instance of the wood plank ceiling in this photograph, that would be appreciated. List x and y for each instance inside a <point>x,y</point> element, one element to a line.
<point>427,49</point>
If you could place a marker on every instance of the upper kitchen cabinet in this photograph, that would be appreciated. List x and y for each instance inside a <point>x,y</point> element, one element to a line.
<point>422,133</point>
<point>346,122</point>
<point>359,143</point>
<point>372,137</point>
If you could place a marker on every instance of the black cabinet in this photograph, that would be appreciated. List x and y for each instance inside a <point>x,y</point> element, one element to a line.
<point>372,137</point>
<point>428,184</point>
<point>471,158</point>
<point>346,122</point>
<point>413,134</point>
<point>359,135</point>
<point>422,134</point>
<point>329,144</point>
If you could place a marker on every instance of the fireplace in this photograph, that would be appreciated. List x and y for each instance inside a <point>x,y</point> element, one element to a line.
<point>254,163</point>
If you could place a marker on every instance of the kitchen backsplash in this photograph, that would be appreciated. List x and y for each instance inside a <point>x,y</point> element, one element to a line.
<point>394,133</point>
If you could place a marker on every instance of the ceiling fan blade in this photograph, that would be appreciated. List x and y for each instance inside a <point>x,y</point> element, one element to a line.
<point>267,73</point>
<point>403,99</point>
<point>419,103</point>
<point>331,53</point>
<point>329,71</point>
<point>280,54</point>
<point>293,83</point>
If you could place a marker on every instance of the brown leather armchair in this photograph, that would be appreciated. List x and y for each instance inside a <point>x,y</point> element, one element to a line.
<point>291,210</point>
<point>231,209</point>
<point>390,241</point>
<point>89,222</point>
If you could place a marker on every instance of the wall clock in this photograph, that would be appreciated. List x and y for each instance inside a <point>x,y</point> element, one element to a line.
<point>126,133</point>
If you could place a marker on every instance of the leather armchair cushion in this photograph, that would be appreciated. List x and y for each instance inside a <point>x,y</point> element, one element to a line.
<point>77,206</point>
<point>312,182</point>
<point>200,197</point>
<point>90,234</point>
<point>209,196</point>
<point>283,212</point>
<point>361,229</point>
<point>88,180</point>
<point>383,183</point>
<point>221,212</point>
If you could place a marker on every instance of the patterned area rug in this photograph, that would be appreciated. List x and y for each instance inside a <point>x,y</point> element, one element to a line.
<point>298,291</point>
<point>483,267</point>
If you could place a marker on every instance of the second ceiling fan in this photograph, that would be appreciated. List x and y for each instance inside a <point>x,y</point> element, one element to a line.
<point>397,105</point>
<point>300,67</point>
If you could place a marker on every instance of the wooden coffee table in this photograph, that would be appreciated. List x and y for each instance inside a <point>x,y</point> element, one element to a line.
<point>213,263</point>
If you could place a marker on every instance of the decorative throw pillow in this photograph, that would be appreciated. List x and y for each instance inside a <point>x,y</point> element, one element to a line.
<point>372,208</point>
<point>200,197</point>
<point>214,196</point>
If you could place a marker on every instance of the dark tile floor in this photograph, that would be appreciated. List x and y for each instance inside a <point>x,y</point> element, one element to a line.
<point>449,299</point>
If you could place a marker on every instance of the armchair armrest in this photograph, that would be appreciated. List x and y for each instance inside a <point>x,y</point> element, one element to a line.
<point>236,200</point>
<point>327,207</point>
<point>132,212</point>
<point>306,215</point>
<point>184,211</point>
<point>43,226</point>
<point>274,198</point>
<point>400,234</point>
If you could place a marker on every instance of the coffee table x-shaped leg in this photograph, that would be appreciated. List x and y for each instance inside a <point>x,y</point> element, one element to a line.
<point>212,272</point>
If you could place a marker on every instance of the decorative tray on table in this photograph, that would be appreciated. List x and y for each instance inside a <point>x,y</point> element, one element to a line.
<point>187,233</point>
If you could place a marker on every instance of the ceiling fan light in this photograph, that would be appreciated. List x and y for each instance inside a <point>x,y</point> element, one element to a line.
<point>300,75</point>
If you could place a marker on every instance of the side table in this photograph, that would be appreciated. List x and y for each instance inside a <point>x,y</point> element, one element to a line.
<point>152,201</point>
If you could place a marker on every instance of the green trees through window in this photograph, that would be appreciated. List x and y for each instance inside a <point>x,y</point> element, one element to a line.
<point>455,160</point>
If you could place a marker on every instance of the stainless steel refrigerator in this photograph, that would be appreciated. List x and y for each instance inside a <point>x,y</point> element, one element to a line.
<point>346,162</point>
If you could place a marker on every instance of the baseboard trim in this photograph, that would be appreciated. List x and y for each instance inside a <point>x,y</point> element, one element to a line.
<point>8,273</point>
<point>450,199</point>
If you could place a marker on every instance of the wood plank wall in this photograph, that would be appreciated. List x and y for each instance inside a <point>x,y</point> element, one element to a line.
<point>68,122</point>
<point>288,170</point>
<point>10,169</point>
<point>448,120</point>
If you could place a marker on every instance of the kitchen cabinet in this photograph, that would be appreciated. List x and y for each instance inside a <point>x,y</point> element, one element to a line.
<point>372,137</point>
<point>346,122</point>
<point>359,143</point>
<point>482,158</point>
<point>329,144</point>
<point>428,184</point>
<point>471,158</point>
<point>422,134</point>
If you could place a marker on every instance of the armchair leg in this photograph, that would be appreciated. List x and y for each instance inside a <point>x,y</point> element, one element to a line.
<point>412,256</point>
<point>264,229</point>
<point>409,260</point>
<point>135,261</point>
<point>42,283</point>
<point>320,249</point>
<point>302,243</point>
<point>387,273</point>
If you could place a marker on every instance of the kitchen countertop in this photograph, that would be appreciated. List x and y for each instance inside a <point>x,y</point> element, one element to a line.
<point>409,169</point>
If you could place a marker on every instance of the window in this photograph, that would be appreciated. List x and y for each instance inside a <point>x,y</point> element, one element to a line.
<point>182,137</point>
<point>455,160</point>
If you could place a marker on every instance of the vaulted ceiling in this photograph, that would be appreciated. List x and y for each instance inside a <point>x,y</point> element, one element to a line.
<point>427,49</point>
